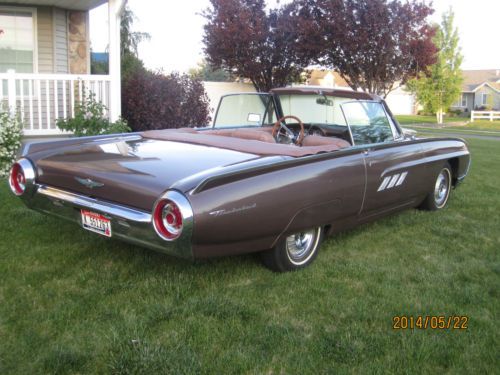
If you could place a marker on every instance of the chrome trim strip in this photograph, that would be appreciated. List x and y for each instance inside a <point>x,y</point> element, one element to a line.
<point>94,204</point>
<point>461,178</point>
<point>129,224</point>
<point>394,179</point>
<point>384,183</point>
<point>26,148</point>
<point>401,178</point>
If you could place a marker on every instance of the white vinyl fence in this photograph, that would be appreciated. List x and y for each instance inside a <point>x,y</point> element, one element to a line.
<point>484,115</point>
<point>41,99</point>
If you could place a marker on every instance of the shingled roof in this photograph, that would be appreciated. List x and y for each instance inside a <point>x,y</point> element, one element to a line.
<point>475,78</point>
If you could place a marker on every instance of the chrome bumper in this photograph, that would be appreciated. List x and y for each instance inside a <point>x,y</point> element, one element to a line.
<point>127,224</point>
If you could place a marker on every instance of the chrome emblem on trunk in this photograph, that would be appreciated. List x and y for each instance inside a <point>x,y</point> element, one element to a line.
<point>89,183</point>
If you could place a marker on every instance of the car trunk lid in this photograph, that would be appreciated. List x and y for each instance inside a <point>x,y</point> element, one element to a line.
<point>133,172</point>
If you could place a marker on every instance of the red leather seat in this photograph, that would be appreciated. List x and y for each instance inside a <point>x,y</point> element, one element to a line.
<point>317,140</point>
<point>251,134</point>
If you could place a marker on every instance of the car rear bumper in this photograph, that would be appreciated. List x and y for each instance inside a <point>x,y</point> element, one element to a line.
<point>128,224</point>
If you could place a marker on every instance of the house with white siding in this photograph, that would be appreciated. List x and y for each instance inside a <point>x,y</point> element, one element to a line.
<point>400,101</point>
<point>480,90</point>
<point>45,61</point>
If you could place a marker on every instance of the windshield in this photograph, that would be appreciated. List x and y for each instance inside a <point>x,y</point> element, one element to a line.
<point>314,109</point>
<point>240,110</point>
<point>368,122</point>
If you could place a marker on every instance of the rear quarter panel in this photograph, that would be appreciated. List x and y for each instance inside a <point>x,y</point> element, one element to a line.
<point>250,214</point>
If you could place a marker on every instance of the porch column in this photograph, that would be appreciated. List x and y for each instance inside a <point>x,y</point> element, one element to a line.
<point>115,9</point>
<point>11,91</point>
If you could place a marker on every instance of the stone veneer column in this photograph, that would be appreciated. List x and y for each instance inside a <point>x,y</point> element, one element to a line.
<point>77,42</point>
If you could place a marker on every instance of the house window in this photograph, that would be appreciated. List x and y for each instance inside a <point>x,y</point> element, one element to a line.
<point>462,101</point>
<point>17,40</point>
<point>484,100</point>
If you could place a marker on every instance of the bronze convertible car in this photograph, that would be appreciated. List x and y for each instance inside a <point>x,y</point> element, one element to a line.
<point>275,174</point>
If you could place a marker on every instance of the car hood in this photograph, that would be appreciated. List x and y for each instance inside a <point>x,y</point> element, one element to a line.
<point>133,171</point>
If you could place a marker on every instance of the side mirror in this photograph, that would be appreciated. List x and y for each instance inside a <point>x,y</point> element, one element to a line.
<point>409,133</point>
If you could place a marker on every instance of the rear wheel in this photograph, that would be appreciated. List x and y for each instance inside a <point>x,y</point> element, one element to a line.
<point>438,197</point>
<point>295,251</point>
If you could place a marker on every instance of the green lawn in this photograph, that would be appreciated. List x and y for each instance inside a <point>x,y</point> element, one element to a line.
<point>479,125</point>
<point>482,125</point>
<point>73,302</point>
<point>416,119</point>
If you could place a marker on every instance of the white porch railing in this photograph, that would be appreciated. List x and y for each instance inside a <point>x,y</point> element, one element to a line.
<point>41,99</point>
<point>484,115</point>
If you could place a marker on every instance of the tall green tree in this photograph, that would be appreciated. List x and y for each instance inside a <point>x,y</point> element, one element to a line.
<point>205,72</point>
<point>154,100</point>
<point>129,42</point>
<point>440,85</point>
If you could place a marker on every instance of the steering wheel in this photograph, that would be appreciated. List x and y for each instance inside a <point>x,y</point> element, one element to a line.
<point>279,126</point>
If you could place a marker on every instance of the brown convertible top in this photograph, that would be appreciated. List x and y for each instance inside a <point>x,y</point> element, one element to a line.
<point>250,146</point>
<point>324,91</point>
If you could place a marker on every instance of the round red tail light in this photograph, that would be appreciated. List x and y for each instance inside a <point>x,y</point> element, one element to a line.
<point>167,219</point>
<point>17,179</point>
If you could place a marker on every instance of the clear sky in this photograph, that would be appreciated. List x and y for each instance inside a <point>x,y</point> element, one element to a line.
<point>176,29</point>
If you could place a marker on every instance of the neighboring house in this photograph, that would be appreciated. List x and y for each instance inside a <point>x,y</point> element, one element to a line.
<point>326,78</point>
<point>480,90</point>
<point>45,60</point>
<point>399,101</point>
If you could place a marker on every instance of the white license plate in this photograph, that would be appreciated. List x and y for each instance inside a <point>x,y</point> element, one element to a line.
<point>96,223</point>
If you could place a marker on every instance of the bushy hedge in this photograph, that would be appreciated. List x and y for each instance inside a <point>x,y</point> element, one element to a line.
<point>11,131</point>
<point>152,100</point>
<point>90,119</point>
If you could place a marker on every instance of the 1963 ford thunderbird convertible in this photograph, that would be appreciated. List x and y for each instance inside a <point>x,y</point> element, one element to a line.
<point>275,174</point>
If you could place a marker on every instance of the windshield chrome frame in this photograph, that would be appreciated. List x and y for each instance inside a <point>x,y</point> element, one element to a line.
<point>395,134</point>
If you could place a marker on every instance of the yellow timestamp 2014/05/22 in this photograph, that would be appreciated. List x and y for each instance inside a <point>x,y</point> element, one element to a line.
<point>430,322</point>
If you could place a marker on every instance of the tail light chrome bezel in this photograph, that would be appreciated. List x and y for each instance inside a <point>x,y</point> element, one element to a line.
<point>180,206</point>
<point>26,168</point>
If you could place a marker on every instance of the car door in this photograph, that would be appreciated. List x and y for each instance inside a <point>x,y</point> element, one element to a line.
<point>395,176</point>
<point>395,169</point>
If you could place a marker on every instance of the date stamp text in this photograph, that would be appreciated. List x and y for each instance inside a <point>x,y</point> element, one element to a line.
<point>430,322</point>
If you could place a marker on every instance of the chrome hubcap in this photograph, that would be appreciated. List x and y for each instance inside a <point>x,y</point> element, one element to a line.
<point>441,188</point>
<point>300,246</point>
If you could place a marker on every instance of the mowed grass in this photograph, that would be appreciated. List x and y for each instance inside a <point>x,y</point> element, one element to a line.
<point>417,119</point>
<point>483,125</point>
<point>73,302</point>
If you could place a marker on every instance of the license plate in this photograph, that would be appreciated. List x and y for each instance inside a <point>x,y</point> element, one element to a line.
<point>96,223</point>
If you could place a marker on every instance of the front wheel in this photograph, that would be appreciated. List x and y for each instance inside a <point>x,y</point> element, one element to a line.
<point>296,251</point>
<point>438,197</point>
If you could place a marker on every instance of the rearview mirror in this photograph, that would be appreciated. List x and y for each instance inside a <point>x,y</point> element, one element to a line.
<point>324,101</point>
